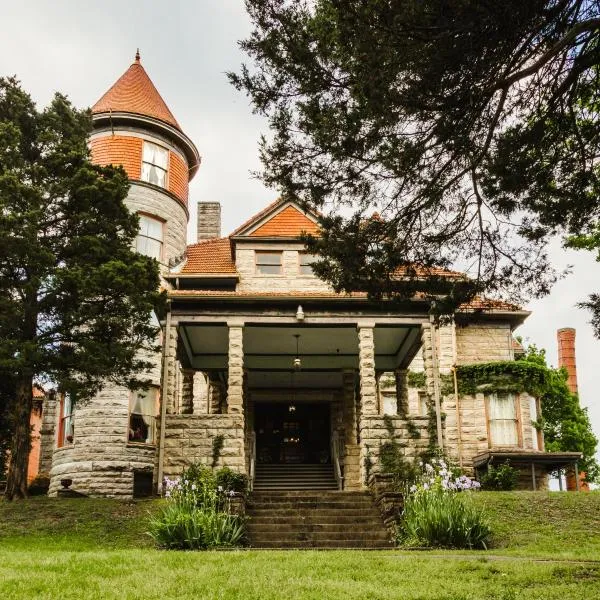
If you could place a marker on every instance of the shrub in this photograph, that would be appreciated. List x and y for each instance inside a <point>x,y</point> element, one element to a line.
<point>197,514</point>
<point>502,478</point>
<point>182,527</point>
<point>230,481</point>
<point>435,517</point>
<point>438,510</point>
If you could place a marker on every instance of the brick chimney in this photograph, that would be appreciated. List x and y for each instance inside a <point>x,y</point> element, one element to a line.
<point>566,358</point>
<point>566,355</point>
<point>209,220</point>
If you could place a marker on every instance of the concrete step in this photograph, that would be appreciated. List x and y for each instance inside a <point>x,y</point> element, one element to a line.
<point>302,519</point>
<point>334,529</point>
<point>339,544</point>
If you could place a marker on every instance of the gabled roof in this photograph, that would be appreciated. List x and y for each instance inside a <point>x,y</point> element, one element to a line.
<point>279,219</point>
<point>209,257</point>
<point>135,93</point>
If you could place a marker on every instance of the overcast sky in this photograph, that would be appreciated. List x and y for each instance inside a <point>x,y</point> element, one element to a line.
<point>81,48</point>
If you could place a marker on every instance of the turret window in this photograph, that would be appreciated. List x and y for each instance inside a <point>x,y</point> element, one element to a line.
<point>150,239</point>
<point>155,162</point>
<point>143,406</point>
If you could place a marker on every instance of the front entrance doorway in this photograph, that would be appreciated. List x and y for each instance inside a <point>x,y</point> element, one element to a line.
<point>294,433</point>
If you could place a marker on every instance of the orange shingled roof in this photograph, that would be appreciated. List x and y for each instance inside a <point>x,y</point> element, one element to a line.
<point>134,92</point>
<point>267,293</point>
<point>290,222</point>
<point>38,392</point>
<point>210,256</point>
<point>487,304</point>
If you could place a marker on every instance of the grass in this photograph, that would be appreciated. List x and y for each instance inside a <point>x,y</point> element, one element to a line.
<point>547,546</point>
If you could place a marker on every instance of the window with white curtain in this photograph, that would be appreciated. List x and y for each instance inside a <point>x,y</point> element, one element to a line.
<point>67,425</point>
<point>503,419</point>
<point>155,163</point>
<point>143,406</point>
<point>150,238</point>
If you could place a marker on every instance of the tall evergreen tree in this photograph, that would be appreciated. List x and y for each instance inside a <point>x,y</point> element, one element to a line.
<point>75,299</point>
<point>469,126</point>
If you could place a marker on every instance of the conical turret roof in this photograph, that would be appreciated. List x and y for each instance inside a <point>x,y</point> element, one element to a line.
<point>135,93</point>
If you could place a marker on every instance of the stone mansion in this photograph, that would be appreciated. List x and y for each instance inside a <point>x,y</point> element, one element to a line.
<point>264,367</point>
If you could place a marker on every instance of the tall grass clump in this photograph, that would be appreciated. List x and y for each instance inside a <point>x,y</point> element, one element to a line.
<point>438,511</point>
<point>198,512</point>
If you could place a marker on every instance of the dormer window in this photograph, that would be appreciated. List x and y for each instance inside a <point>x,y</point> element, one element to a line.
<point>155,162</point>
<point>268,263</point>
<point>150,239</point>
<point>306,261</point>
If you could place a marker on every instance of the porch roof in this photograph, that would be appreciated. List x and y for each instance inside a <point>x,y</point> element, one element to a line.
<point>526,457</point>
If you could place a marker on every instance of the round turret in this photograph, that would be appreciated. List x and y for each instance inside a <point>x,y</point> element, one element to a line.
<point>134,127</point>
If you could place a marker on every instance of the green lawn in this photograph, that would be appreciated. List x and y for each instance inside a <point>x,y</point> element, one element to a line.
<point>98,549</point>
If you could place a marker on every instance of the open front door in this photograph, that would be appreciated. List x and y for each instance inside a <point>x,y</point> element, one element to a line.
<point>296,433</point>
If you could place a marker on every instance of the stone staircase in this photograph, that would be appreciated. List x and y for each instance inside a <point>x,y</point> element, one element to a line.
<point>315,519</point>
<point>294,477</point>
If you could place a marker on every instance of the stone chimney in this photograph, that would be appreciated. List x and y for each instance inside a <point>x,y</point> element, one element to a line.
<point>209,220</point>
<point>566,355</point>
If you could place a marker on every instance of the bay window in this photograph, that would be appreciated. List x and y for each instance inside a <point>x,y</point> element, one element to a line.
<point>503,420</point>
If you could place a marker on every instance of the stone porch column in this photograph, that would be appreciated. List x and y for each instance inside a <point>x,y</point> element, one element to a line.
<point>368,391</point>
<point>235,376</point>
<point>432,375</point>
<point>366,365</point>
<point>401,376</point>
<point>170,385</point>
<point>187,392</point>
<point>350,425</point>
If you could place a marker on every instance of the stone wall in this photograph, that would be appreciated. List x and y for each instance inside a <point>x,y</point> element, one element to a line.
<point>290,278</point>
<point>48,431</point>
<point>374,433</point>
<point>145,199</point>
<point>484,342</point>
<point>189,439</point>
<point>101,461</point>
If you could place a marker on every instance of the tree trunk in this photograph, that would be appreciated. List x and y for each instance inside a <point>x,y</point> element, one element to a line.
<point>16,482</point>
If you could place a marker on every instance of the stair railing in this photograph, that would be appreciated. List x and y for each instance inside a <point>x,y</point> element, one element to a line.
<point>335,456</point>
<point>252,460</point>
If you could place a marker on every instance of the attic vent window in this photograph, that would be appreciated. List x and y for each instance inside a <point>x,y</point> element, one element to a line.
<point>155,161</point>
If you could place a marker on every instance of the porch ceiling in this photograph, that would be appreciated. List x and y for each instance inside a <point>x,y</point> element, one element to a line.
<point>321,348</point>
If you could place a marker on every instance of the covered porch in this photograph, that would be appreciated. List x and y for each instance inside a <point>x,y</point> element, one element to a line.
<point>296,388</point>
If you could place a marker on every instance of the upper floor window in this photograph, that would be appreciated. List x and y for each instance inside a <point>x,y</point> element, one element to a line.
<point>268,263</point>
<point>150,239</point>
<point>306,263</point>
<point>143,406</point>
<point>503,422</point>
<point>155,162</point>
<point>66,429</point>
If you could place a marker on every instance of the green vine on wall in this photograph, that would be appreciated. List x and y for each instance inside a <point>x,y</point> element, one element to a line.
<point>502,376</point>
